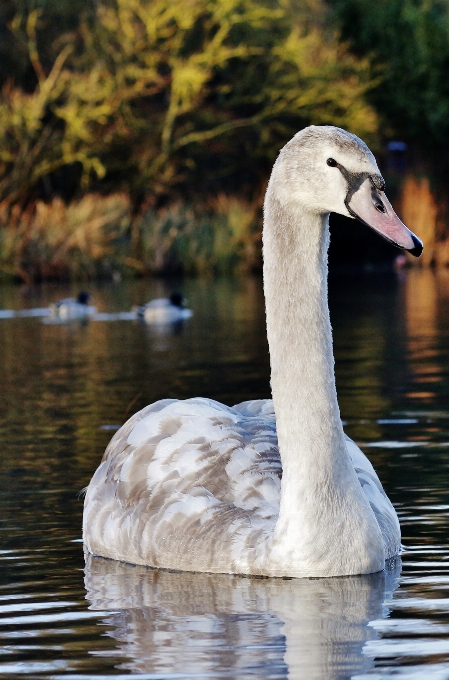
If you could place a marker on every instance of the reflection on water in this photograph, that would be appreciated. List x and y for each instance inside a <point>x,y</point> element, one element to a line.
<point>202,623</point>
<point>66,387</point>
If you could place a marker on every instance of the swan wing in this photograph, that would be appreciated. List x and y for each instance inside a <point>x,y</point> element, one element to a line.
<point>380,503</point>
<point>191,484</point>
<point>257,407</point>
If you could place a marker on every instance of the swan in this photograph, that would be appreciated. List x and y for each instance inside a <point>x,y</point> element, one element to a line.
<point>164,310</point>
<point>72,308</point>
<point>269,487</point>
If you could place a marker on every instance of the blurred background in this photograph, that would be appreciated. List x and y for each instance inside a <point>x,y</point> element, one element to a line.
<point>137,137</point>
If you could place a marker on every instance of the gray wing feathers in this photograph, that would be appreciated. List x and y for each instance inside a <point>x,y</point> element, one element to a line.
<point>163,492</point>
<point>380,503</point>
<point>256,407</point>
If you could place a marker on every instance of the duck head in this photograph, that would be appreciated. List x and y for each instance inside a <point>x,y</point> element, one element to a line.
<point>177,300</point>
<point>327,169</point>
<point>83,298</point>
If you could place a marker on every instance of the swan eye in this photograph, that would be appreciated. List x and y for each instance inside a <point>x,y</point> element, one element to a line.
<point>331,162</point>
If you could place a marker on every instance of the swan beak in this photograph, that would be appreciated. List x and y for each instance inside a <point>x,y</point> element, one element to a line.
<point>370,205</point>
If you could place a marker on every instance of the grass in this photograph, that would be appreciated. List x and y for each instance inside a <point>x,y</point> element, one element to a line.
<point>96,236</point>
<point>58,241</point>
<point>223,236</point>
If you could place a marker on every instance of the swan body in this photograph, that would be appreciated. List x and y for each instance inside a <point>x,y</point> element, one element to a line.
<point>196,485</point>
<point>269,487</point>
<point>72,308</point>
<point>164,310</point>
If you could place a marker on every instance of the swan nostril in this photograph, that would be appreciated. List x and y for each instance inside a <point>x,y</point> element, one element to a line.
<point>380,207</point>
<point>378,182</point>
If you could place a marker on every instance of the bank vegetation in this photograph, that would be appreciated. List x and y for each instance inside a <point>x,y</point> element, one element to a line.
<point>136,136</point>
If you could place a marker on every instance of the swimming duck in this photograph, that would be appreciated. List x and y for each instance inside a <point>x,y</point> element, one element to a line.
<point>270,487</point>
<point>73,308</point>
<point>164,310</point>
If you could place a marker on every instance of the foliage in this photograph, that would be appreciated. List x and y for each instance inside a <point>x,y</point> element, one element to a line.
<point>33,144</point>
<point>407,42</point>
<point>171,99</point>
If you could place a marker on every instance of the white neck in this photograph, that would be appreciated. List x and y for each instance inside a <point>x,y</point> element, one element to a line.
<point>321,494</point>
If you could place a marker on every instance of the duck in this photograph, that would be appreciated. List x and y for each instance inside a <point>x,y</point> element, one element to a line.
<point>269,487</point>
<point>72,308</point>
<point>164,310</point>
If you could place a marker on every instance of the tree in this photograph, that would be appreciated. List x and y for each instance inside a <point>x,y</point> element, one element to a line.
<point>407,43</point>
<point>167,98</point>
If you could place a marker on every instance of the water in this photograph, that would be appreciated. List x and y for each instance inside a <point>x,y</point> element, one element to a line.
<point>65,387</point>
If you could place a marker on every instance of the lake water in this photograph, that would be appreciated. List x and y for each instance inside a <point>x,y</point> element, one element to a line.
<point>65,386</point>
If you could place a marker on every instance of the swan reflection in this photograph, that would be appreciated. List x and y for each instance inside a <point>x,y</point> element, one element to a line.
<point>214,624</point>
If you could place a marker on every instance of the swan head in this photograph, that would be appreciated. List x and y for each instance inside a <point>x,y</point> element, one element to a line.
<point>325,169</point>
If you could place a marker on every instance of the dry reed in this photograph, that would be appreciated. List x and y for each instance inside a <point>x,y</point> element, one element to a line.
<point>95,236</point>
<point>222,236</point>
<point>55,240</point>
<point>421,212</point>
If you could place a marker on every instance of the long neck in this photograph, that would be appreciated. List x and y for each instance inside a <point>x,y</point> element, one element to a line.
<point>325,524</point>
<point>310,433</point>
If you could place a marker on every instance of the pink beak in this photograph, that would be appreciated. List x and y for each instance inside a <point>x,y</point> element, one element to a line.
<point>370,205</point>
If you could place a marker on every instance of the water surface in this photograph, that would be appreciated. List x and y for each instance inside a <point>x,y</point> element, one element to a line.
<point>65,387</point>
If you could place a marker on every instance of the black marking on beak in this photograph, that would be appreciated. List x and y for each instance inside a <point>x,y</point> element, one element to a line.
<point>378,202</point>
<point>355,181</point>
<point>378,182</point>
<point>378,185</point>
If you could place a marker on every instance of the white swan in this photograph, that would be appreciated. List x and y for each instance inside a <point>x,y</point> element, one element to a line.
<point>164,310</point>
<point>196,485</point>
<point>72,308</point>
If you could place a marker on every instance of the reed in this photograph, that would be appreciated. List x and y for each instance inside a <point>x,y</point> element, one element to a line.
<point>57,241</point>
<point>96,236</point>
<point>420,212</point>
<point>221,236</point>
